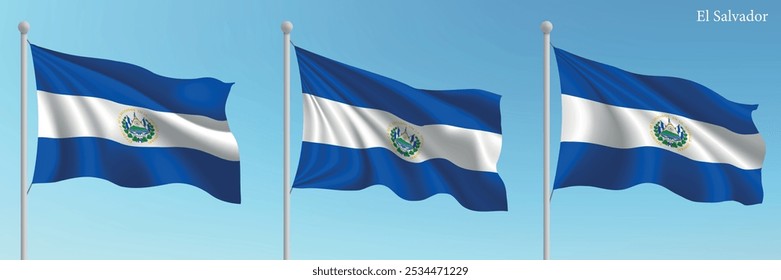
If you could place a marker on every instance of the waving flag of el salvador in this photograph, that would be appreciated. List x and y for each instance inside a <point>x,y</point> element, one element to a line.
<point>363,129</point>
<point>122,123</point>
<point>620,129</point>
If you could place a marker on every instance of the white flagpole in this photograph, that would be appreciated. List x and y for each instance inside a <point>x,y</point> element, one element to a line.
<point>24,27</point>
<point>286,28</point>
<point>546,27</point>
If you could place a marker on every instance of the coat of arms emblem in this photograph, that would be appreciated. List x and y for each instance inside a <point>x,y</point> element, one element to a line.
<point>670,133</point>
<point>405,139</point>
<point>136,127</point>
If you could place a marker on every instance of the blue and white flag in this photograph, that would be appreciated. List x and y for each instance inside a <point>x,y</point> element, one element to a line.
<point>620,129</point>
<point>363,129</point>
<point>122,123</point>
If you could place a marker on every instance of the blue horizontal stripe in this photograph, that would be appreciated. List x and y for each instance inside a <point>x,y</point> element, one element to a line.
<point>128,84</point>
<point>135,167</point>
<point>467,108</point>
<point>609,85</point>
<point>585,164</point>
<point>339,168</point>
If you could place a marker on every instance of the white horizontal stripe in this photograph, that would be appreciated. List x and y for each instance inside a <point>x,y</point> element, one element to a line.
<point>588,121</point>
<point>66,116</point>
<point>339,124</point>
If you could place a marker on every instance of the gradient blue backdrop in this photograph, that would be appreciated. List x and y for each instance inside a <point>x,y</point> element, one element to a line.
<point>491,45</point>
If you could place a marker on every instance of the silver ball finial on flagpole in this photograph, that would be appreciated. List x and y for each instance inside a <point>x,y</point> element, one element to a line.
<point>287,27</point>
<point>24,27</point>
<point>546,27</point>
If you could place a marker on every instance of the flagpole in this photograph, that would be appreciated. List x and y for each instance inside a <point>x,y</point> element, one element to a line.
<point>286,28</point>
<point>546,27</point>
<point>24,27</point>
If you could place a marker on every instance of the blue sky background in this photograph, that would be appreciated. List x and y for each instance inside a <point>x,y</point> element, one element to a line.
<point>490,45</point>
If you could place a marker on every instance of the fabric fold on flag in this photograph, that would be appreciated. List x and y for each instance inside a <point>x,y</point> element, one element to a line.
<point>363,129</point>
<point>122,123</point>
<point>620,129</point>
